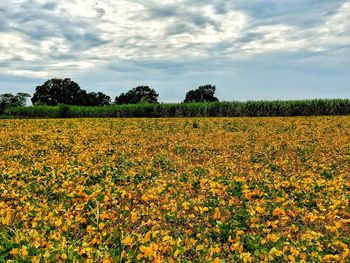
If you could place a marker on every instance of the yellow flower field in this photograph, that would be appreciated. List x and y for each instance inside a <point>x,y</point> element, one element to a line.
<point>175,190</point>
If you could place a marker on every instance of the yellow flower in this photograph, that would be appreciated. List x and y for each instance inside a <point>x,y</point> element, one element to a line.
<point>237,247</point>
<point>14,251</point>
<point>24,251</point>
<point>185,205</point>
<point>291,258</point>
<point>148,236</point>
<point>139,256</point>
<point>89,229</point>
<point>58,222</point>
<point>134,217</point>
<point>149,251</point>
<point>278,212</point>
<point>217,250</point>
<point>247,257</point>
<point>128,241</point>
<point>330,258</point>
<point>199,247</point>
<point>275,252</point>
<point>108,260</point>
<point>166,238</point>
<point>101,226</point>
<point>294,251</point>
<point>273,238</point>
<point>217,214</point>
<point>260,210</point>
<point>46,254</point>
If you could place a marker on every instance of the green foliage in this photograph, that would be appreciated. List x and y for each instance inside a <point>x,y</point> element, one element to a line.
<point>140,94</point>
<point>9,100</point>
<point>66,91</point>
<point>202,94</point>
<point>195,124</point>
<point>63,111</point>
<point>205,109</point>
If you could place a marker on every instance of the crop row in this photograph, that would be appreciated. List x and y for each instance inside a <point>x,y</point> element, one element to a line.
<point>215,109</point>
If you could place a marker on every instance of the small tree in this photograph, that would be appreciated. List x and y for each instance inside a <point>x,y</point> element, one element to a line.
<point>22,98</point>
<point>10,100</point>
<point>202,94</point>
<point>139,94</point>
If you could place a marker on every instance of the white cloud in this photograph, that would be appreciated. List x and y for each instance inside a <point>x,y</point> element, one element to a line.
<point>336,29</point>
<point>274,38</point>
<point>14,45</point>
<point>333,31</point>
<point>76,35</point>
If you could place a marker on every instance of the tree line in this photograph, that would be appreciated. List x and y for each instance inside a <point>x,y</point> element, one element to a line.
<point>65,91</point>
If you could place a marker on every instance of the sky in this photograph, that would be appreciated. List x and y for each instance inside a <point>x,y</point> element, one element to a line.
<point>251,50</point>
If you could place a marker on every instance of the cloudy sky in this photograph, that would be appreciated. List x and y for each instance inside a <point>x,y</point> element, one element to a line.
<point>257,49</point>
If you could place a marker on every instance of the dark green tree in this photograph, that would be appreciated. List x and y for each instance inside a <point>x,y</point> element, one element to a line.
<point>98,99</point>
<point>202,94</point>
<point>66,91</point>
<point>59,91</point>
<point>136,95</point>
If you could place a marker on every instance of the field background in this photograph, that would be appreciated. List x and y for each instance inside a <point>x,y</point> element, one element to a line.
<point>182,189</point>
<point>316,107</point>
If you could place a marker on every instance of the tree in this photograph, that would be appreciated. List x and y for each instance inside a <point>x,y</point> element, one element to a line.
<point>139,94</point>
<point>66,91</point>
<point>202,94</point>
<point>22,98</point>
<point>10,100</point>
<point>98,99</point>
<point>58,91</point>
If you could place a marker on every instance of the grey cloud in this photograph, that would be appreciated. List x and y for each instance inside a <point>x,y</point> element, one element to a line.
<point>10,61</point>
<point>294,12</point>
<point>100,11</point>
<point>304,13</point>
<point>82,41</point>
<point>38,23</point>
<point>161,65</point>
<point>49,6</point>
<point>178,28</point>
<point>249,37</point>
<point>179,13</point>
<point>3,24</point>
<point>221,6</point>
